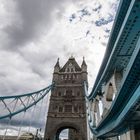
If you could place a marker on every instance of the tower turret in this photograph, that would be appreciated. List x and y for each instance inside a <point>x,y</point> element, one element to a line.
<point>56,71</point>
<point>84,65</point>
<point>57,66</point>
<point>84,70</point>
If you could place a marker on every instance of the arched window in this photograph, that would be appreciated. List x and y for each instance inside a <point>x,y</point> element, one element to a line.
<point>62,77</point>
<point>60,109</point>
<point>69,76</point>
<point>59,93</point>
<point>73,76</point>
<point>77,76</point>
<point>80,109</point>
<point>68,93</point>
<point>68,108</point>
<point>68,69</point>
<point>75,108</point>
<point>72,70</point>
<point>110,92</point>
<point>78,93</point>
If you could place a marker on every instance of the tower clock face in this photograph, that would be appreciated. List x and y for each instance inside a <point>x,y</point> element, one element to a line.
<point>70,64</point>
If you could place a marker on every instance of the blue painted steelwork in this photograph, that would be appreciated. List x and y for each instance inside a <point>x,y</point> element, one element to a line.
<point>122,54</point>
<point>130,84</point>
<point>122,48</point>
<point>120,16</point>
<point>33,97</point>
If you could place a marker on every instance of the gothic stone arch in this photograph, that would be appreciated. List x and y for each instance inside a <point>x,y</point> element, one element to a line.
<point>73,126</point>
<point>54,130</point>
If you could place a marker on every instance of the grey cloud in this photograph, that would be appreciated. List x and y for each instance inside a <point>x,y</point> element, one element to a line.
<point>34,17</point>
<point>96,9</point>
<point>103,21</point>
<point>106,36</point>
<point>20,81</point>
<point>114,5</point>
<point>84,12</point>
<point>40,62</point>
<point>72,17</point>
<point>107,30</point>
<point>104,43</point>
<point>18,122</point>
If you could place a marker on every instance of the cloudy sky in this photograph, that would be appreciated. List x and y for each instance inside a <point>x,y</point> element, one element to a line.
<point>34,33</point>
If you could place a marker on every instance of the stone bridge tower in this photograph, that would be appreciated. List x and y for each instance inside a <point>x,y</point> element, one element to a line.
<point>67,107</point>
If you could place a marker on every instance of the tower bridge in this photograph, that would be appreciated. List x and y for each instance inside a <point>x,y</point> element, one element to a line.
<point>112,110</point>
<point>67,103</point>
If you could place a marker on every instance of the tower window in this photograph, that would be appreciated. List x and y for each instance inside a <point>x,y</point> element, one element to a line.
<point>59,93</point>
<point>60,109</point>
<point>62,77</point>
<point>110,92</point>
<point>54,107</point>
<point>73,76</point>
<point>68,70</point>
<point>78,93</point>
<point>69,76</point>
<point>75,109</point>
<point>80,108</point>
<point>68,108</point>
<point>68,93</point>
<point>65,76</point>
<point>72,70</point>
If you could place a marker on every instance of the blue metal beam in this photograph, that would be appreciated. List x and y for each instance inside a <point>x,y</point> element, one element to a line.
<point>125,100</point>
<point>41,94</point>
<point>113,61</point>
<point>121,118</point>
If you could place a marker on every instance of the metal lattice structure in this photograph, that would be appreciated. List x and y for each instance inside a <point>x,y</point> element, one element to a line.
<point>13,105</point>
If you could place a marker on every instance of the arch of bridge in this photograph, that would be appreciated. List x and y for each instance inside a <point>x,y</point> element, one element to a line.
<point>55,130</point>
<point>67,125</point>
<point>63,126</point>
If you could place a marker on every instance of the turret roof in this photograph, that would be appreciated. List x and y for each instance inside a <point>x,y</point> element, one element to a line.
<point>84,63</point>
<point>57,63</point>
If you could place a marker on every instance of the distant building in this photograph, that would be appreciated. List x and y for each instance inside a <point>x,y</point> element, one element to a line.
<point>8,137</point>
<point>25,136</point>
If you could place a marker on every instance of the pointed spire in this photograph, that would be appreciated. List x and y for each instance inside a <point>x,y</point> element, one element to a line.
<point>57,63</point>
<point>84,65</point>
<point>57,66</point>
<point>71,57</point>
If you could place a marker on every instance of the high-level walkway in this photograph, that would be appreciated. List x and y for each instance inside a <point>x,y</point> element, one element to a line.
<point>114,103</point>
